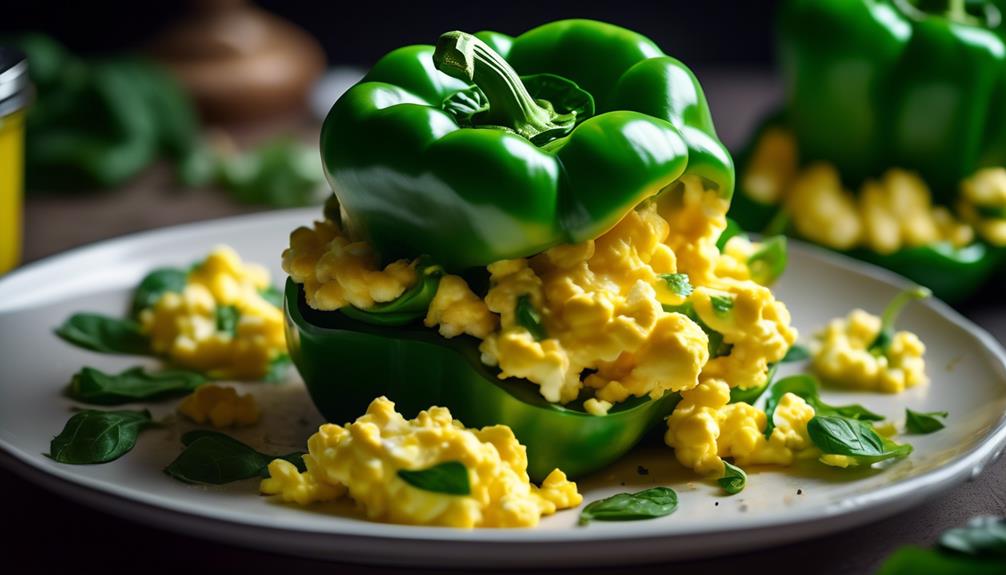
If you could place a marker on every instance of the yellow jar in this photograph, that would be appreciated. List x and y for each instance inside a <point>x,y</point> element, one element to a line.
<point>14,90</point>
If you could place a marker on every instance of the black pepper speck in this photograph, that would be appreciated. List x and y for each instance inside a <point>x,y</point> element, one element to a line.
<point>799,491</point>
<point>642,470</point>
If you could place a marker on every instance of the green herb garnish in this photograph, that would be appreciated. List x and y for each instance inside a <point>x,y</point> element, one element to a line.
<point>769,262</point>
<point>227,317</point>
<point>884,338</point>
<point>796,353</point>
<point>647,504</point>
<point>104,334</point>
<point>977,549</point>
<point>91,385</point>
<point>450,477</point>
<point>733,479</point>
<point>805,386</point>
<point>982,537</point>
<point>279,366</point>
<point>924,422</point>
<point>92,436</point>
<point>215,458</point>
<point>273,296</point>
<point>154,285</point>
<point>529,318</point>
<point>722,304</point>
<point>838,435</point>
<point>677,283</point>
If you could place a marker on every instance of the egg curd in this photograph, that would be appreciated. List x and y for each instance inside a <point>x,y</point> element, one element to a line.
<point>363,458</point>
<point>983,204</point>
<point>220,323</point>
<point>220,406</point>
<point>841,356</point>
<point>625,315</point>
<point>705,428</point>
<point>886,215</point>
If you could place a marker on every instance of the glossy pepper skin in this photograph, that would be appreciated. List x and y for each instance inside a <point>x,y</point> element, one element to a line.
<point>876,84</point>
<point>872,84</point>
<point>951,273</point>
<point>346,363</point>
<point>415,182</point>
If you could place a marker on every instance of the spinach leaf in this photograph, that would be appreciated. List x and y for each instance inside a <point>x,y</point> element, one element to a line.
<point>273,296</point>
<point>769,262</point>
<point>279,366</point>
<point>154,285</point>
<point>677,283</point>
<point>722,304</point>
<point>923,423</point>
<point>839,435</point>
<point>647,504</point>
<point>215,458</point>
<point>92,436</point>
<point>104,334</point>
<point>529,318</point>
<point>977,549</point>
<point>805,386</point>
<point>227,317</point>
<point>734,479</point>
<point>450,477</point>
<point>982,537</point>
<point>884,338</point>
<point>91,385</point>
<point>796,353</point>
<point>732,229</point>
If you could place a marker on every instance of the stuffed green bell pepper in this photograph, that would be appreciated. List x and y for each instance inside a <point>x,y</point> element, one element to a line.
<point>528,231</point>
<point>890,143</point>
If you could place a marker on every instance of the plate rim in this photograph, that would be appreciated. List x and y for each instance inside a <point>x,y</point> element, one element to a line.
<point>878,502</point>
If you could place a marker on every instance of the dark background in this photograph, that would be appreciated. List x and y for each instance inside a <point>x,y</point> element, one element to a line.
<point>702,33</point>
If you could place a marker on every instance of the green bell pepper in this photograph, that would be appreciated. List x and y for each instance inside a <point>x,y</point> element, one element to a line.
<point>915,84</point>
<point>346,363</point>
<point>449,153</point>
<point>877,84</point>
<point>952,273</point>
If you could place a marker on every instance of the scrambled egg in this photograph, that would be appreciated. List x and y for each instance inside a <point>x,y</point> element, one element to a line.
<point>611,322</point>
<point>185,326</point>
<point>841,356</point>
<point>220,406</point>
<point>336,271</point>
<point>986,191</point>
<point>886,215</point>
<point>363,459</point>
<point>704,428</point>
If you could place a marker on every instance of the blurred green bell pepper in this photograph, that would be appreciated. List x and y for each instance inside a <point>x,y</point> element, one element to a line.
<point>916,84</point>
<point>447,152</point>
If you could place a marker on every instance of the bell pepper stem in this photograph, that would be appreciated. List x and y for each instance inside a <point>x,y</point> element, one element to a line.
<point>890,316</point>
<point>465,57</point>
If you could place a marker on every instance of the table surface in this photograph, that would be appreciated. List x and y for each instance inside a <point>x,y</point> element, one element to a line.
<point>49,530</point>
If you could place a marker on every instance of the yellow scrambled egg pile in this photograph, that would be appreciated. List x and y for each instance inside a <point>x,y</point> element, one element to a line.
<point>363,459</point>
<point>986,189</point>
<point>184,326</point>
<point>841,356</point>
<point>220,406</point>
<point>886,215</point>
<point>705,428</point>
<point>612,322</point>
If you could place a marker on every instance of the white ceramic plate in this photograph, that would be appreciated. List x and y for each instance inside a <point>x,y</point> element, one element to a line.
<point>966,366</point>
